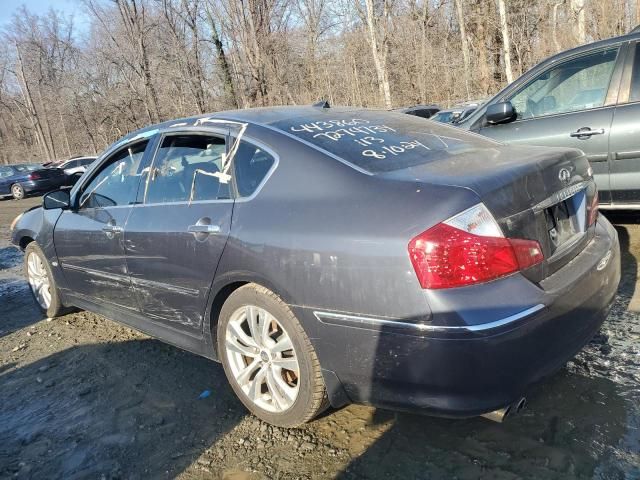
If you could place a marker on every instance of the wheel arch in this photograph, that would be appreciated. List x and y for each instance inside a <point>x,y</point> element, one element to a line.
<point>221,289</point>
<point>25,240</point>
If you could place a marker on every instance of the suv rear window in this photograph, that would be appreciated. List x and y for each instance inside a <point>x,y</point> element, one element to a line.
<point>380,141</point>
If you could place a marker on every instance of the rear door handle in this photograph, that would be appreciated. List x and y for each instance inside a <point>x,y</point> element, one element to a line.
<point>204,228</point>
<point>586,132</point>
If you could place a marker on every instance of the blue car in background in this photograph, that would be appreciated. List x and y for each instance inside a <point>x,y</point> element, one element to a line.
<point>24,179</point>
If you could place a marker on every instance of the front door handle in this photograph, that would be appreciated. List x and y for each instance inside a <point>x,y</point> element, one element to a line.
<point>586,132</point>
<point>204,228</point>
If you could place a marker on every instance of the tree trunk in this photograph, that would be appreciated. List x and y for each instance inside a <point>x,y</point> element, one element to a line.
<point>579,29</point>
<point>35,120</point>
<point>554,26</point>
<point>227,80</point>
<point>465,46</point>
<point>380,49</point>
<point>506,42</point>
<point>483,62</point>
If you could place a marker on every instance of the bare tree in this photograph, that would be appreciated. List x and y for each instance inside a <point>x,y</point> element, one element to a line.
<point>579,28</point>
<point>506,43</point>
<point>377,20</point>
<point>142,61</point>
<point>223,64</point>
<point>465,46</point>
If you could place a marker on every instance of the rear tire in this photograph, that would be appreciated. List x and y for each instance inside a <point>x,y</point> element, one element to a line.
<point>41,283</point>
<point>17,191</point>
<point>268,358</point>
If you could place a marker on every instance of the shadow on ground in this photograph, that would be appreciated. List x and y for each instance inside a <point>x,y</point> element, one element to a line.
<point>90,411</point>
<point>10,257</point>
<point>17,306</point>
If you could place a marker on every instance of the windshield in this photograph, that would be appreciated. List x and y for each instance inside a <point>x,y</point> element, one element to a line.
<point>380,141</point>
<point>443,117</point>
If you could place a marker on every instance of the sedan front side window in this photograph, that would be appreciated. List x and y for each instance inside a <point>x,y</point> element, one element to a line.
<point>117,182</point>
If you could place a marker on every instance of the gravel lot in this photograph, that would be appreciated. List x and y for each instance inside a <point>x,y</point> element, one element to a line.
<point>82,397</point>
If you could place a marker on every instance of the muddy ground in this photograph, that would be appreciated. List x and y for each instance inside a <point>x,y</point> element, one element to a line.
<point>82,397</point>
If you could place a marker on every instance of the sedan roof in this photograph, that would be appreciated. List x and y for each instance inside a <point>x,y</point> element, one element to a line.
<point>260,115</point>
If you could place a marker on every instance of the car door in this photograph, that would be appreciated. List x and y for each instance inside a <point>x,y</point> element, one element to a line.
<point>570,104</point>
<point>175,238</point>
<point>5,180</point>
<point>89,237</point>
<point>624,141</point>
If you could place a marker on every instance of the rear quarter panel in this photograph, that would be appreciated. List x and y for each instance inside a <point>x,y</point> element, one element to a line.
<point>325,236</point>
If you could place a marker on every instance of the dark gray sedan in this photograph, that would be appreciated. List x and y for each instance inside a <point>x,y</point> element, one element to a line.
<point>328,256</point>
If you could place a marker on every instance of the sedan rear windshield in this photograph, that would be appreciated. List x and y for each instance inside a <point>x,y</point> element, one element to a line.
<point>378,141</point>
<point>26,168</point>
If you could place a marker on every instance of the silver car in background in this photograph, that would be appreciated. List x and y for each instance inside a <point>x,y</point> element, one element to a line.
<point>586,98</point>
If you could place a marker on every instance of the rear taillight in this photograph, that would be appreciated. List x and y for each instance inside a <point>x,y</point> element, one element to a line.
<point>592,212</point>
<point>468,249</point>
<point>34,176</point>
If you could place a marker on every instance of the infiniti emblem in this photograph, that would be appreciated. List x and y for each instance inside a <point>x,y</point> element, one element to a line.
<point>564,175</point>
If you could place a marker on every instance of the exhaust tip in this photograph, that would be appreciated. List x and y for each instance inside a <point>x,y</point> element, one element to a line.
<point>501,414</point>
<point>498,415</point>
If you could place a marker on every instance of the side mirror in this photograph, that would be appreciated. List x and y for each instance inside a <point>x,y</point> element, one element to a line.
<point>502,112</point>
<point>56,199</point>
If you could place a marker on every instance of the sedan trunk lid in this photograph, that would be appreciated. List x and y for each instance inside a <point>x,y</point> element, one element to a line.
<point>533,192</point>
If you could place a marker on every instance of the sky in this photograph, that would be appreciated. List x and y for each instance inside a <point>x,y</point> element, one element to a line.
<point>67,7</point>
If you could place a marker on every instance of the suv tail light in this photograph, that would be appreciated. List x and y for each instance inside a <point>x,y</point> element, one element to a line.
<point>468,249</point>
<point>593,210</point>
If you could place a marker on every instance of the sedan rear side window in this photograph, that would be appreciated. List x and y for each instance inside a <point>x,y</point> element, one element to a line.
<point>118,180</point>
<point>251,165</point>
<point>187,165</point>
<point>572,86</point>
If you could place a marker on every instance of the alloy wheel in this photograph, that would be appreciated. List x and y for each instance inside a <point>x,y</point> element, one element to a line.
<point>262,359</point>
<point>17,192</point>
<point>39,280</point>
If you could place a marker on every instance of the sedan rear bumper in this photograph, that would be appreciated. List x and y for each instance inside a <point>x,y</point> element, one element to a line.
<point>467,371</point>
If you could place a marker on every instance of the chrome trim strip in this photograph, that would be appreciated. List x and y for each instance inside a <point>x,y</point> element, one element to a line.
<point>333,318</point>
<point>619,206</point>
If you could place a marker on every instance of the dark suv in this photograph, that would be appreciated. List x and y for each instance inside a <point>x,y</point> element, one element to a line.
<point>587,98</point>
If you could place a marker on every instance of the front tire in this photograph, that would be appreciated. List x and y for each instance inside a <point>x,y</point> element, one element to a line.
<point>17,191</point>
<point>41,283</point>
<point>268,359</point>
